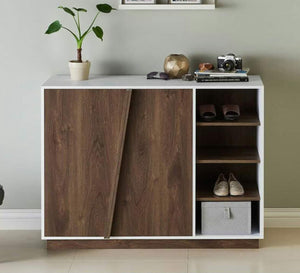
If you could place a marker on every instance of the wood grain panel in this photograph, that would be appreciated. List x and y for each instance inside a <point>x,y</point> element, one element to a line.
<point>226,136</point>
<point>84,135</point>
<point>152,244</point>
<point>155,189</point>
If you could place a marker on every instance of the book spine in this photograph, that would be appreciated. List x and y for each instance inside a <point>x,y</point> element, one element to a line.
<point>224,79</point>
<point>222,75</point>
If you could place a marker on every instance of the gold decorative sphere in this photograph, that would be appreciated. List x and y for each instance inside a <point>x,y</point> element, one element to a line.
<point>176,65</point>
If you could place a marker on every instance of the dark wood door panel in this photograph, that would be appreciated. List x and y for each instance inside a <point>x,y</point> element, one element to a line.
<point>154,195</point>
<point>84,136</point>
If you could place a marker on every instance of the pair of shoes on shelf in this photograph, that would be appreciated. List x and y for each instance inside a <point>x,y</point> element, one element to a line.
<point>208,112</point>
<point>224,187</point>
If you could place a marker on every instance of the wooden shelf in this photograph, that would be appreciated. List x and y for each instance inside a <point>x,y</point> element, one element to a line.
<point>249,120</point>
<point>167,7</point>
<point>251,194</point>
<point>227,155</point>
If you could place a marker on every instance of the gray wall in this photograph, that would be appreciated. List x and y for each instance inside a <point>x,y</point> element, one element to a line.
<point>265,33</point>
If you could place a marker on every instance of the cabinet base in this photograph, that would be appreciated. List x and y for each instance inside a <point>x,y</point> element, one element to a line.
<point>127,244</point>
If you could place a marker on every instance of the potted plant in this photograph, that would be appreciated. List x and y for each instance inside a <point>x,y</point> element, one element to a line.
<point>79,70</point>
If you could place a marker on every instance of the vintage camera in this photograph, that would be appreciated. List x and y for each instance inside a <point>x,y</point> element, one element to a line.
<point>229,62</point>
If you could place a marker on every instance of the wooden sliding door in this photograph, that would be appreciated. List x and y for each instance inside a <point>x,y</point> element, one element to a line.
<point>118,163</point>
<point>84,136</point>
<point>154,196</point>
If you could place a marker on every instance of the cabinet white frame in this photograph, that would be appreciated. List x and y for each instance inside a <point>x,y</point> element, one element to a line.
<point>140,82</point>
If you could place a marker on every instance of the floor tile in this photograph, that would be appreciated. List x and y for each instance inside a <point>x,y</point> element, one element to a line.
<point>136,266</point>
<point>283,265</point>
<point>223,262</point>
<point>132,254</point>
<point>34,266</point>
<point>27,245</point>
<point>279,252</point>
<point>25,254</point>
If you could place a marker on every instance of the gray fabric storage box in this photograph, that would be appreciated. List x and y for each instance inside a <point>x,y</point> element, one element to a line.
<point>226,218</point>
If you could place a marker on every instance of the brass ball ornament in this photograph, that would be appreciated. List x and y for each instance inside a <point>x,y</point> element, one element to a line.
<point>176,65</point>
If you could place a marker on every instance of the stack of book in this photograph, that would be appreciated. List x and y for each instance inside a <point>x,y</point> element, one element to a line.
<point>222,76</point>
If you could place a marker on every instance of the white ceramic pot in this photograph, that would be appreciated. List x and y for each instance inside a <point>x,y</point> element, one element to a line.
<point>79,71</point>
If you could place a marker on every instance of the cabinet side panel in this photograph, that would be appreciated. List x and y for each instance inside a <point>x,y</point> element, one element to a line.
<point>84,133</point>
<point>154,197</point>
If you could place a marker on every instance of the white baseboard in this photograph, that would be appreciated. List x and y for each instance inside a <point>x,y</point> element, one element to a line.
<point>20,219</point>
<point>30,219</point>
<point>282,217</point>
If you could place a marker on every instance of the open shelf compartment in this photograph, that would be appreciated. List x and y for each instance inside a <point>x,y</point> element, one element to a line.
<point>246,99</point>
<point>230,146</point>
<point>206,175</point>
<point>228,155</point>
<point>226,145</point>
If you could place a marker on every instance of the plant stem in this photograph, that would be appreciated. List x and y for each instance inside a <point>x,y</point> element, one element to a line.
<point>77,39</point>
<point>78,21</point>
<point>76,26</point>
<point>79,57</point>
<point>88,30</point>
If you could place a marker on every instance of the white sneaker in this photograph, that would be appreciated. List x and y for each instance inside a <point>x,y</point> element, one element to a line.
<point>221,186</point>
<point>236,188</point>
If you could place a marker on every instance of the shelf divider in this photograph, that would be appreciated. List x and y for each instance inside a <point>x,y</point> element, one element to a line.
<point>247,120</point>
<point>206,194</point>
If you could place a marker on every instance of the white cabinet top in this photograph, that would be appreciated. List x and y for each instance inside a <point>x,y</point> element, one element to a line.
<point>141,82</point>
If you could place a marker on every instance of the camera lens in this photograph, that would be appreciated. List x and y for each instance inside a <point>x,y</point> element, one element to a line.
<point>228,65</point>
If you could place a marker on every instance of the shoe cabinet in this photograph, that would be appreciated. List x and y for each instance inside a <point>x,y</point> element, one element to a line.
<point>127,163</point>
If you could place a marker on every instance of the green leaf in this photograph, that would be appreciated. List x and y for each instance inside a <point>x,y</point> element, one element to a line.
<point>80,9</point>
<point>105,8</point>
<point>54,27</point>
<point>98,32</point>
<point>67,10</point>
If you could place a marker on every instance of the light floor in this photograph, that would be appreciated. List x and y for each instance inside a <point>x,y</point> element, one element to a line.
<point>23,251</point>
